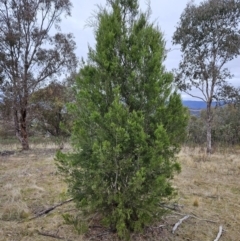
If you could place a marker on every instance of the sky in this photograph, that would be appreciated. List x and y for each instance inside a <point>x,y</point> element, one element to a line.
<point>166,13</point>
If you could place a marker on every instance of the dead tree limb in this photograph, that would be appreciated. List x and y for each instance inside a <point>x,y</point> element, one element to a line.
<point>194,216</point>
<point>219,233</point>
<point>179,222</point>
<point>50,235</point>
<point>51,209</point>
<point>160,226</point>
<point>175,207</point>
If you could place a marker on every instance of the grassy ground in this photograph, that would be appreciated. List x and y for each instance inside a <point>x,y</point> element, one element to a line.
<point>208,190</point>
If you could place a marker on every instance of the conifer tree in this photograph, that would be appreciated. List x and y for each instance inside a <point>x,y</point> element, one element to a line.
<point>129,123</point>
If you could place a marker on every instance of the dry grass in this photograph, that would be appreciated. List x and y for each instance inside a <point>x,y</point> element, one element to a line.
<point>29,184</point>
<point>208,188</point>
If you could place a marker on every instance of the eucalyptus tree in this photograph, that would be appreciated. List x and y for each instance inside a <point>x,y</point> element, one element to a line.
<point>209,35</point>
<point>31,52</point>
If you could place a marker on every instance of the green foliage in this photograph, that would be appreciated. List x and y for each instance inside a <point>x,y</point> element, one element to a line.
<point>225,127</point>
<point>129,123</point>
<point>48,107</point>
<point>79,225</point>
<point>209,36</point>
<point>31,54</point>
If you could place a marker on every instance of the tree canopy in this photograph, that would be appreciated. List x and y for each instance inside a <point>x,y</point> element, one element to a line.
<point>209,35</point>
<point>48,107</point>
<point>30,54</point>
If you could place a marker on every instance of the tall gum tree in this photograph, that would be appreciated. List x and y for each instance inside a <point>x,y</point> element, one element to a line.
<point>29,54</point>
<point>129,123</point>
<point>209,35</point>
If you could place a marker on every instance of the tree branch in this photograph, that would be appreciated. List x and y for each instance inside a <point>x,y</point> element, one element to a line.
<point>179,222</point>
<point>219,234</point>
<point>194,96</point>
<point>50,209</point>
<point>52,236</point>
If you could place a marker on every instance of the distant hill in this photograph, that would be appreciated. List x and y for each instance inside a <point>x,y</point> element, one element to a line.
<point>195,106</point>
<point>192,105</point>
<point>199,105</point>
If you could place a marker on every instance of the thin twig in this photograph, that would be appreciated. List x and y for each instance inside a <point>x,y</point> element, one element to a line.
<point>160,226</point>
<point>95,226</point>
<point>174,207</point>
<point>219,234</point>
<point>102,234</point>
<point>52,236</point>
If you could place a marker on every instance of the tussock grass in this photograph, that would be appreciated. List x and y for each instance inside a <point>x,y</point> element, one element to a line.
<point>212,182</point>
<point>208,188</point>
<point>29,184</point>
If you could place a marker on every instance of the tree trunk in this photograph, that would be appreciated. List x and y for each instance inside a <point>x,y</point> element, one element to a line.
<point>16,124</point>
<point>21,131</point>
<point>209,137</point>
<point>24,134</point>
<point>209,129</point>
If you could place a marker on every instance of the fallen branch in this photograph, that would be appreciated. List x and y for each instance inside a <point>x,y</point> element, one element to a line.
<point>179,222</point>
<point>51,209</point>
<point>174,206</point>
<point>160,226</point>
<point>194,216</point>
<point>52,236</point>
<point>219,234</point>
<point>102,234</point>
<point>6,153</point>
